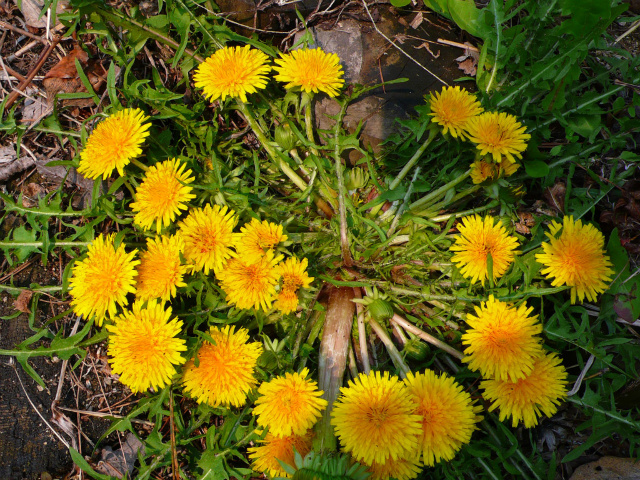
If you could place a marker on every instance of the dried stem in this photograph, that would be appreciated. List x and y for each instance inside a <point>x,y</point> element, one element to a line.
<point>342,191</point>
<point>362,333</point>
<point>410,327</point>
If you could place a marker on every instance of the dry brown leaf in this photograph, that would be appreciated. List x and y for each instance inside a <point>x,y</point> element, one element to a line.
<point>526,221</point>
<point>417,20</point>
<point>425,45</point>
<point>555,196</point>
<point>31,10</point>
<point>64,78</point>
<point>469,67</point>
<point>22,302</point>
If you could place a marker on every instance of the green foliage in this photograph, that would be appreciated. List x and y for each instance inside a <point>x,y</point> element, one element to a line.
<point>324,467</point>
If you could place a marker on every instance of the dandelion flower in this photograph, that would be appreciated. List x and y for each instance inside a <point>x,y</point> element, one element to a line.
<point>160,271</point>
<point>294,274</point>
<point>103,279</point>
<point>575,256</point>
<point>400,469</point>
<point>232,72</point>
<point>265,457</point>
<point>312,70</point>
<point>162,194</point>
<point>452,108</point>
<point>483,170</point>
<point>251,285</point>
<point>448,416</point>
<point>225,372</point>
<point>502,341</point>
<point>478,238</point>
<point>256,238</point>
<point>114,143</point>
<point>143,346</point>
<point>375,420</point>
<point>498,134</point>
<point>526,398</point>
<point>208,236</point>
<point>289,405</point>
<point>286,301</point>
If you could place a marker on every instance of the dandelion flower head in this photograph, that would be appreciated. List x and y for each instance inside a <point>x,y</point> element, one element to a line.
<point>160,271</point>
<point>225,372</point>
<point>312,70</point>
<point>289,405</point>
<point>232,72</point>
<point>453,108</point>
<point>374,419</point>
<point>256,238</point>
<point>478,238</point>
<point>575,256</point>
<point>502,342</point>
<point>265,456</point>
<point>208,237</point>
<point>103,279</point>
<point>251,285</point>
<point>499,135</point>
<point>448,415</point>
<point>527,398</point>
<point>143,346</point>
<point>162,194</point>
<point>294,276</point>
<point>286,301</point>
<point>114,143</point>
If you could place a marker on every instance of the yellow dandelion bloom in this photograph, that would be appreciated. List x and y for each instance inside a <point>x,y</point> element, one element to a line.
<point>400,469</point>
<point>312,70</point>
<point>114,143</point>
<point>143,346</point>
<point>527,398</point>
<point>375,420</point>
<point>208,236</point>
<point>483,170</point>
<point>289,405</point>
<point>225,372</point>
<point>162,194</point>
<point>498,134</point>
<point>294,274</point>
<point>256,238</point>
<point>448,415</point>
<point>251,285</point>
<point>286,301</point>
<point>502,341</point>
<point>453,108</point>
<point>160,271</point>
<point>232,72</point>
<point>507,169</point>
<point>478,238</point>
<point>575,256</point>
<point>103,279</point>
<point>265,457</point>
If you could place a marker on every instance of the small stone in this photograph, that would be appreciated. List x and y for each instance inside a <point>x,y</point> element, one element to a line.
<point>608,468</point>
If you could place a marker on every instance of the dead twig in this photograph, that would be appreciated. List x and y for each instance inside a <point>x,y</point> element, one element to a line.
<point>89,413</point>
<point>8,26</point>
<point>13,96</point>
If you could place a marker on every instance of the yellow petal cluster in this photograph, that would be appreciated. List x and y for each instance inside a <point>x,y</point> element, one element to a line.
<point>478,238</point>
<point>452,109</point>
<point>498,134</point>
<point>575,256</point>
<point>114,143</point>
<point>289,404</point>
<point>503,341</point>
<point>162,194</point>
<point>223,372</point>
<point>161,272</point>
<point>103,279</point>
<point>312,70</point>
<point>143,346</point>
<point>265,457</point>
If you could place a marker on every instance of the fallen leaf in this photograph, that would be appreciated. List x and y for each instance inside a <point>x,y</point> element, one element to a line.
<point>64,78</point>
<point>417,20</point>
<point>117,463</point>
<point>469,67</point>
<point>526,221</point>
<point>555,196</point>
<point>22,302</point>
<point>425,45</point>
<point>31,10</point>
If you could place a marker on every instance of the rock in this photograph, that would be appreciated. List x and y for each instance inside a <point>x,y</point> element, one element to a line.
<point>608,468</point>
<point>368,58</point>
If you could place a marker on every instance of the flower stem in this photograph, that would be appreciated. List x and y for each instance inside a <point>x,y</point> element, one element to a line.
<point>396,358</point>
<point>440,191</point>
<point>414,159</point>
<point>11,244</point>
<point>362,333</point>
<point>140,165</point>
<point>342,191</point>
<point>308,120</point>
<point>10,289</point>
<point>410,327</point>
<point>447,216</point>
